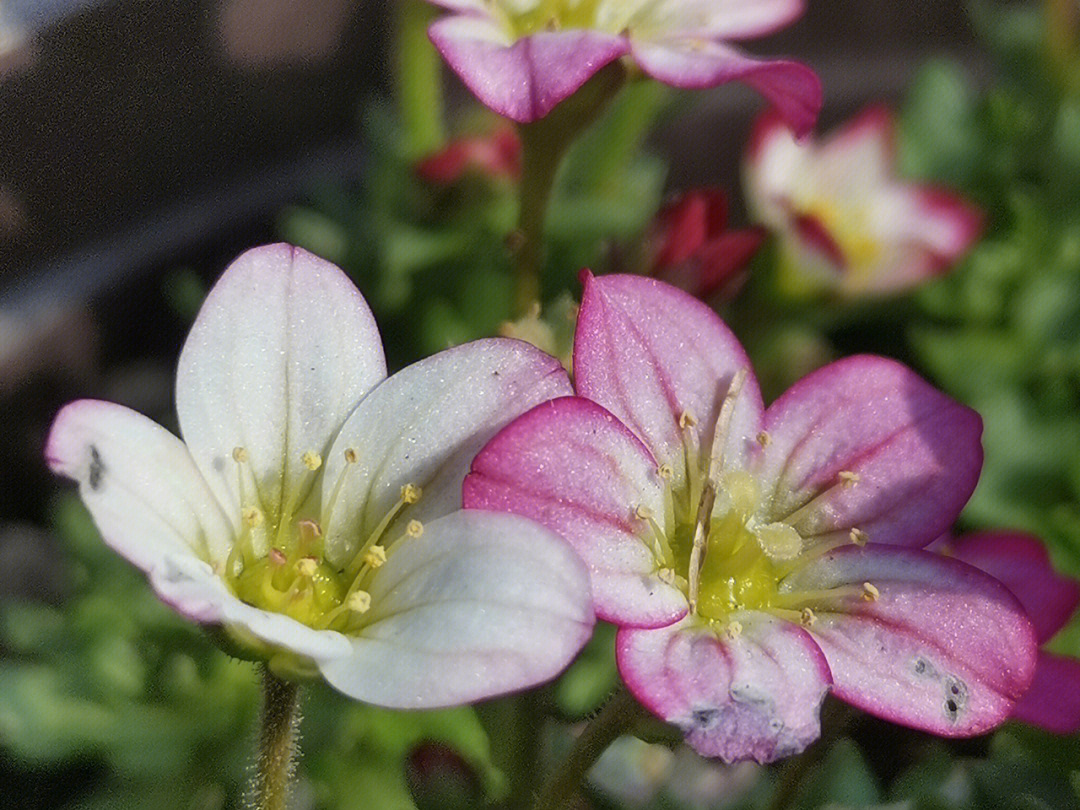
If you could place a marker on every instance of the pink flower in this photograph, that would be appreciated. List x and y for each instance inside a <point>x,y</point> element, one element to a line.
<point>312,511</point>
<point>522,57</point>
<point>1020,562</point>
<point>692,248</point>
<point>847,224</point>
<point>496,155</point>
<point>755,558</point>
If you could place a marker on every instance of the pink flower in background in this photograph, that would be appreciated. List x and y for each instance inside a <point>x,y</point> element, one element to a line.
<point>755,558</point>
<point>522,57</point>
<point>312,510</point>
<point>847,224</point>
<point>496,155</point>
<point>691,247</point>
<point>1020,562</point>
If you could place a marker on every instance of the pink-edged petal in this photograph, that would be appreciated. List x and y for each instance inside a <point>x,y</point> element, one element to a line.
<point>937,221</point>
<point>524,79</point>
<point>572,466</point>
<point>1020,562</point>
<point>422,426</point>
<point>282,350</point>
<point>755,696</point>
<point>859,156</point>
<point>139,483</point>
<point>1053,701</point>
<point>943,647</point>
<point>914,453</point>
<point>792,88</point>
<point>480,604</point>
<point>649,353</point>
<point>718,19</point>
<point>773,162</point>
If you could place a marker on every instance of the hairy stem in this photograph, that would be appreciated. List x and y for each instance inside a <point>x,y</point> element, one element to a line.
<point>277,743</point>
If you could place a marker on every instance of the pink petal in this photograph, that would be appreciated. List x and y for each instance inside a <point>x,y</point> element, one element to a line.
<point>914,453</point>
<point>283,348</point>
<point>937,220</point>
<point>573,467</point>
<point>944,647</point>
<point>686,224</point>
<point>1053,701</point>
<point>649,352</point>
<point>524,79</point>
<point>793,89</point>
<point>1020,562</point>
<point>753,697</point>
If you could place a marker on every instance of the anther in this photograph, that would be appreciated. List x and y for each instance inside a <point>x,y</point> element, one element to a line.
<point>359,602</point>
<point>642,512</point>
<point>307,566</point>
<point>414,528</point>
<point>310,531</point>
<point>312,460</point>
<point>848,478</point>
<point>764,439</point>
<point>277,557</point>
<point>665,472</point>
<point>350,456</point>
<point>240,455</point>
<point>666,575</point>
<point>253,518</point>
<point>410,493</point>
<point>870,592</point>
<point>687,420</point>
<point>859,537</point>
<point>375,557</point>
<point>807,617</point>
<point>733,630</point>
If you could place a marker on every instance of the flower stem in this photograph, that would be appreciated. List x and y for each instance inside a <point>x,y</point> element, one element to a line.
<point>277,743</point>
<point>544,144</point>
<point>419,81</point>
<point>616,717</point>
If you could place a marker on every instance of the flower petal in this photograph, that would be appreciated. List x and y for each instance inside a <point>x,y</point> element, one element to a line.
<point>938,645</point>
<point>914,453</point>
<point>1021,564</point>
<point>573,467</point>
<point>691,62</point>
<point>481,604</point>
<point>649,353</point>
<point>858,158</point>
<point>281,351</point>
<point>422,426</point>
<point>1053,701</point>
<point>139,483</point>
<point>756,696</point>
<point>718,19</point>
<point>524,79</point>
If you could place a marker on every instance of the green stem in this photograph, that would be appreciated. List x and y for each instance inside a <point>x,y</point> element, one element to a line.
<point>544,145</point>
<point>277,743</point>
<point>616,717</point>
<point>419,80</point>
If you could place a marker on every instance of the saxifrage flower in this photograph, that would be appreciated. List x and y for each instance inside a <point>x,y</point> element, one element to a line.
<point>522,57</point>
<point>1020,562</point>
<point>846,222</point>
<point>312,511</point>
<point>755,558</point>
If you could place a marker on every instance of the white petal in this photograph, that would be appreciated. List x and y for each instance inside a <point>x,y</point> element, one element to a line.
<point>282,350</point>
<point>481,604</point>
<point>423,426</point>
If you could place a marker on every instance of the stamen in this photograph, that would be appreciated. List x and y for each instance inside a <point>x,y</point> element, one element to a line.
<point>779,541</point>
<point>309,531</point>
<point>350,456</point>
<point>687,420</point>
<point>733,630</point>
<point>665,472</point>
<point>723,425</point>
<point>848,478</point>
<point>312,460</point>
<point>411,493</point>
<point>240,455</point>
<point>764,439</point>
<point>643,512</point>
<point>350,459</point>
<point>307,566</point>
<point>277,557</point>
<point>414,528</point>
<point>661,548</point>
<point>666,575</point>
<point>870,593</point>
<point>859,537</point>
<point>807,617</point>
<point>701,538</point>
<point>359,602</point>
<point>375,557</point>
<point>253,517</point>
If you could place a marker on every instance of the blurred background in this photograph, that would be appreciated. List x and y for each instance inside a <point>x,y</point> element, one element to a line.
<point>145,143</point>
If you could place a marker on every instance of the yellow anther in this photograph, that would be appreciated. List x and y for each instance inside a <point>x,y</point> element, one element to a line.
<point>666,575</point>
<point>666,472</point>
<point>687,420</point>
<point>859,537</point>
<point>240,455</point>
<point>764,439</point>
<point>350,456</point>
<point>375,557</point>
<point>312,460</point>
<point>807,617</point>
<point>307,566</point>
<point>414,528</point>
<point>848,478</point>
<point>309,530</point>
<point>870,593</point>
<point>253,518</point>
<point>359,602</point>
<point>277,557</point>
<point>410,493</point>
<point>642,512</point>
<point>733,630</point>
